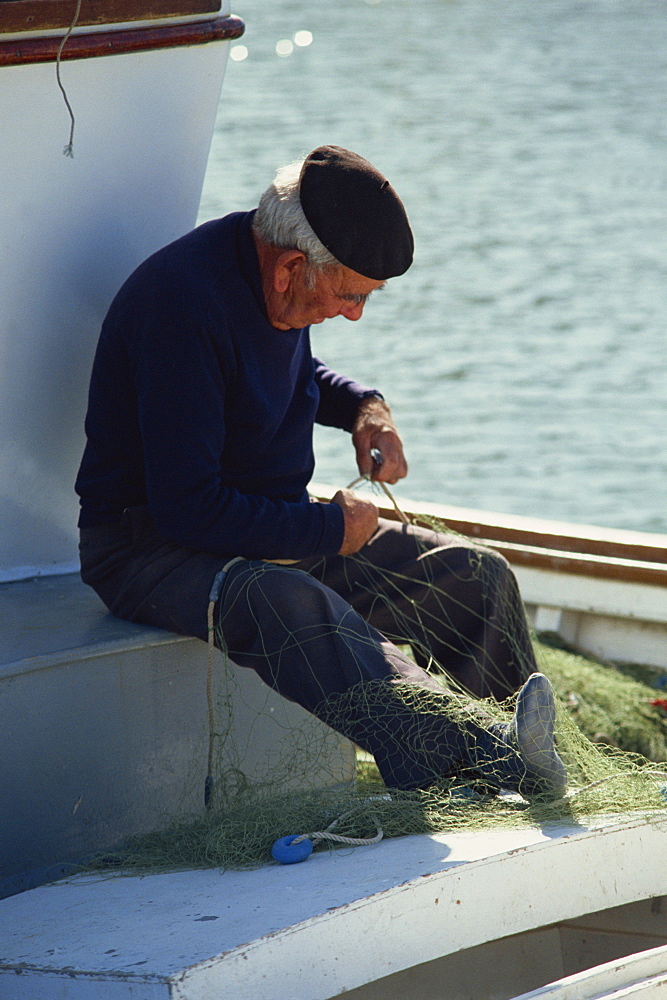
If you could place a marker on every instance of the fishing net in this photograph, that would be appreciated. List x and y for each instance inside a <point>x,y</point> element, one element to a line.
<point>610,730</point>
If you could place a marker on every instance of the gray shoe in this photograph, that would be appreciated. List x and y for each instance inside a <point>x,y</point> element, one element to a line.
<point>532,731</point>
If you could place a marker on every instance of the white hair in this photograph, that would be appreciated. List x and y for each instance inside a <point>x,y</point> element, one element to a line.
<point>280,220</point>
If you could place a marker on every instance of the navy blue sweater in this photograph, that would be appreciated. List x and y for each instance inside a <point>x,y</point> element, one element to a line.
<point>202,410</point>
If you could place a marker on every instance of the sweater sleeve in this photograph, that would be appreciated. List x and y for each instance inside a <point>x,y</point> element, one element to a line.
<point>339,397</point>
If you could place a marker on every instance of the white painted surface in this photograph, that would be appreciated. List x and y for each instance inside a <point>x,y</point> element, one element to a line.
<point>614,598</point>
<point>71,231</point>
<point>312,931</point>
<point>643,976</point>
<point>105,724</point>
<point>610,619</point>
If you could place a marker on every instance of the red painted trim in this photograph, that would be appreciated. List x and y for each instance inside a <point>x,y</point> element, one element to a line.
<point>39,15</point>
<point>610,547</point>
<point>110,43</point>
<point>582,564</point>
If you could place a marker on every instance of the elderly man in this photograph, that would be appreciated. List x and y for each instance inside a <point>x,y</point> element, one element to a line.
<point>193,489</point>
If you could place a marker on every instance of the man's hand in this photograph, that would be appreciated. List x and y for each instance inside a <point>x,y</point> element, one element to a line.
<point>361,520</point>
<point>374,428</point>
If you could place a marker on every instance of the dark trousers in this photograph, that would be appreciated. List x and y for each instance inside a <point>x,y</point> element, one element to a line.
<point>323,633</point>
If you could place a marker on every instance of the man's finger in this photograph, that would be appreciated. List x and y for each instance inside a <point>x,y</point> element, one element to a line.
<point>393,468</point>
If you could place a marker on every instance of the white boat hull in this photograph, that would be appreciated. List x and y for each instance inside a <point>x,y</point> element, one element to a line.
<point>71,231</point>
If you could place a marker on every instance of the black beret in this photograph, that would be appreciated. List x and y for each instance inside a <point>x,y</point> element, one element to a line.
<point>355,212</point>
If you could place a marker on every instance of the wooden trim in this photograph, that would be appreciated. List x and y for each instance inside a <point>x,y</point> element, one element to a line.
<point>625,556</point>
<point>110,43</point>
<point>582,550</point>
<point>607,547</point>
<point>580,555</point>
<point>40,15</point>
<point>581,564</point>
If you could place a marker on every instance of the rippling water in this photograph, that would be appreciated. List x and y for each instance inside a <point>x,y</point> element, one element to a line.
<point>524,353</point>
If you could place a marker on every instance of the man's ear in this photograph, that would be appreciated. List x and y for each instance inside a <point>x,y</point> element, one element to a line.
<point>286,267</point>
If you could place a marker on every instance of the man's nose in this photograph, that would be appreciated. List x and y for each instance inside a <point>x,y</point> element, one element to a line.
<point>352,310</point>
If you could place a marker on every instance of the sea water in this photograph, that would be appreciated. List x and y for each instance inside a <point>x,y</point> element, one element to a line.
<point>524,353</point>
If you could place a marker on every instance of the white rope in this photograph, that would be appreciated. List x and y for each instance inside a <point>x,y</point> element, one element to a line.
<point>338,837</point>
<point>403,517</point>
<point>212,600</point>
<point>209,688</point>
<point>69,148</point>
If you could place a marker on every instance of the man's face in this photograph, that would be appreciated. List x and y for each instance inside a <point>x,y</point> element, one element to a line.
<point>339,292</point>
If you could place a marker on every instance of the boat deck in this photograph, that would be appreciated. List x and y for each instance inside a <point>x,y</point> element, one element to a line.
<point>430,915</point>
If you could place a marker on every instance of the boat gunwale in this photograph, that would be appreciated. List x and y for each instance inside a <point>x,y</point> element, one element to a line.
<point>40,49</point>
<point>610,558</point>
<point>629,557</point>
<point>41,15</point>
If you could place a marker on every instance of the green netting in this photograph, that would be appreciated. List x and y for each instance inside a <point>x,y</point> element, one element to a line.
<point>609,735</point>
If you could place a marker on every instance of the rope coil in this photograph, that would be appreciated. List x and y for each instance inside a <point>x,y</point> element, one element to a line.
<point>293,849</point>
<point>338,837</point>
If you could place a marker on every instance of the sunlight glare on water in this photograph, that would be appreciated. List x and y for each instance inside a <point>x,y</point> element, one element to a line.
<point>524,352</point>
